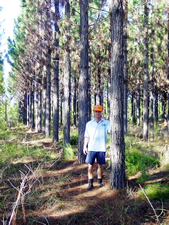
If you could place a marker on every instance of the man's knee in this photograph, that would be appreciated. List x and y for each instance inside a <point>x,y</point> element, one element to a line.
<point>90,167</point>
<point>99,166</point>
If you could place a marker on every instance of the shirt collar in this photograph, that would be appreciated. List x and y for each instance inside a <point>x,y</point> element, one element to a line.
<point>101,119</point>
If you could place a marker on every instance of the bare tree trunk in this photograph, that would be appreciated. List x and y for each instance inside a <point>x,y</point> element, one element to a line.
<point>48,95</point>
<point>83,78</point>
<point>156,105</point>
<point>168,72</point>
<point>132,106</point>
<point>38,107</point>
<point>44,104</point>
<point>164,103</point>
<point>138,102</point>
<point>28,102</point>
<point>24,113</point>
<point>151,77</point>
<point>39,125</point>
<point>98,90</point>
<point>109,84</point>
<point>66,120</point>
<point>75,100</point>
<point>117,149</point>
<point>48,67</point>
<point>146,98</point>
<point>125,63</point>
<point>56,76</point>
<point>89,91</point>
<point>31,107</point>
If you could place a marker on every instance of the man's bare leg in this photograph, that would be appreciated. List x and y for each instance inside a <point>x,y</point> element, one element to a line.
<point>90,177</point>
<point>99,175</point>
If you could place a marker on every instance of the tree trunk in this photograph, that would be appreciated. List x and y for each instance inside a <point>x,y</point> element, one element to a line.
<point>117,149</point>
<point>156,105</point>
<point>66,114</point>
<point>98,89</point>
<point>152,78</point>
<point>125,64</point>
<point>109,84</point>
<point>31,108</point>
<point>61,109</point>
<point>44,105</point>
<point>164,102</point>
<point>39,111</point>
<point>132,106</point>
<point>28,102</point>
<point>168,73</point>
<point>83,78</point>
<point>48,94</point>
<point>19,111</point>
<point>75,100</point>
<point>36,106</point>
<point>138,102</point>
<point>146,98</point>
<point>89,92</point>
<point>24,110</point>
<point>56,76</point>
<point>48,67</point>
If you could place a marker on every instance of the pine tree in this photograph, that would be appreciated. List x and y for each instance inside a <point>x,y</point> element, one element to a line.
<point>117,149</point>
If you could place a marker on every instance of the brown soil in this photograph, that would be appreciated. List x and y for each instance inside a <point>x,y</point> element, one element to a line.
<point>59,197</point>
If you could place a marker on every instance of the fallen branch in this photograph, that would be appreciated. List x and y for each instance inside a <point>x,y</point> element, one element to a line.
<point>26,182</point>
<point>13,215</point>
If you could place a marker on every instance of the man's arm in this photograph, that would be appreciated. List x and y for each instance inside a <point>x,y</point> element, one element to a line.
<point>86,141</point>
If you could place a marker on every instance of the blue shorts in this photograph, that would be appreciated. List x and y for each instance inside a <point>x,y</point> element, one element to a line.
<point>91,156</point>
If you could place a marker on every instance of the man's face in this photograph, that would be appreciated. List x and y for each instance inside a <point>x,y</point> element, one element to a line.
<point>97,114</point>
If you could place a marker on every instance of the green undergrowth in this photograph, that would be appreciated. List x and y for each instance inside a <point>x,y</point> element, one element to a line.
<point>156,191</point>
<point>137,159</point>
<point>11,152</point>
<point>68,152</point>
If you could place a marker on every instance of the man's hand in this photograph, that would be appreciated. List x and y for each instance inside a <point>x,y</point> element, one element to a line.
<point>85,150</point>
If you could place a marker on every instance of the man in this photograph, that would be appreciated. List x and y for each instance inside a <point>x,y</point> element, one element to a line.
<point>95,144</point>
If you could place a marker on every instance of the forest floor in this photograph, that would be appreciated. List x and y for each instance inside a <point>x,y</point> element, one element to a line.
<point>54,192</point>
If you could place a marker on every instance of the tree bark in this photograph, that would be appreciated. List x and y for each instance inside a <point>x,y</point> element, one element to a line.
<point>152,77</point>
<point>56,76</point>
<point>109,83</point>
<point>66,120</point>
<point>48,68</point>
<point>48,95</point>
<point>146,98</point>
<point>24,110</point>
<point>155,105</point>
<point>28,102</point>
<point>168,73</point>
<point>138,101</point>
<point>117,149</point>
<point>125,63</point>
<point>83,78</point>
<point>75,100</point>
<point>44,104</point>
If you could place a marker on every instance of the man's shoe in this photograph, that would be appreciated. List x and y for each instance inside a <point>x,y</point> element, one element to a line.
<point>100,185</point>
<point>90,187</point>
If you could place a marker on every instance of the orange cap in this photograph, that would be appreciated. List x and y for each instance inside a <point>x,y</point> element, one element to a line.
<point>97,108</point>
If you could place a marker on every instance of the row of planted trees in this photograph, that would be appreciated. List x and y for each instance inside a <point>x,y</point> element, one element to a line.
<point>68,56</point>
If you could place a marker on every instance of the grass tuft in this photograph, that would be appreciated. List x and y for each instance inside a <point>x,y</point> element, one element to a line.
<point>68,152</point>
<point>156,191</point>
